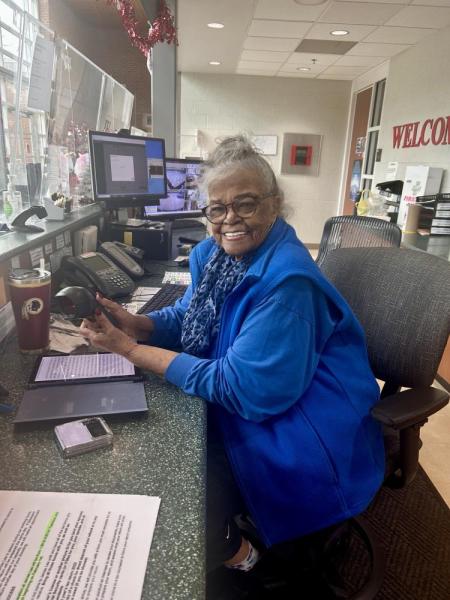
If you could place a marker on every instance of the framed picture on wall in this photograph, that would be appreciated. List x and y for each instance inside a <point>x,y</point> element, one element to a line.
<point>266,144</point>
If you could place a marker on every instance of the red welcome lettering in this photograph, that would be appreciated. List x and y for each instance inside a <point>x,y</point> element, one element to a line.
<point>407,139</point>
<point>446,139</point>
<point>427,123</point>
<point>397,135</point>
<point>415,141</point>
<point>435,138</point>
<point>411,135</point>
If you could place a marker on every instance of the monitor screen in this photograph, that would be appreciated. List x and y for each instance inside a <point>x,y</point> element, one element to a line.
<point>183,195</point>
<point>127,170</point>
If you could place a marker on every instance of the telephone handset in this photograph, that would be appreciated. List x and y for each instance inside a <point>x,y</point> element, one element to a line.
<point>123,259</point>
<point>97,272</point>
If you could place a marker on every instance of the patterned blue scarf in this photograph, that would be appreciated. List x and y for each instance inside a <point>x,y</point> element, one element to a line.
<point>201,321</point>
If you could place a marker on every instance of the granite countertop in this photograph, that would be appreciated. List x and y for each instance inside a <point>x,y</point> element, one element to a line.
<point>14,242</point>
<point>162,454</point>
<point>439,245</point>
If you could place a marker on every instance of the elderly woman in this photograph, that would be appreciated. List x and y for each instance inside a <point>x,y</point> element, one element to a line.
<point>280,359</point>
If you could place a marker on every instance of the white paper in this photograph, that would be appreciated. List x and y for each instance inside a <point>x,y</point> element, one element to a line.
<point>40,90</point>
<point>266,144</point>
<point>35,256</point>
<point>391,171</point>
<point>142,294</point>
<point>122,168</point>
<point>83,366</point>
<point>59,241</point>
<point>74,546</point>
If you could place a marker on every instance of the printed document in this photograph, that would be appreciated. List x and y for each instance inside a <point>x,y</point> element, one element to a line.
<point>83,366</point>
<point>58,546</point>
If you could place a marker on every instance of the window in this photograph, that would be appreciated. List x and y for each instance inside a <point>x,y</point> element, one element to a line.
<point>372,134</point>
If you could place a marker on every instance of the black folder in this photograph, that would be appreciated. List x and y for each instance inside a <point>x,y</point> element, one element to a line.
<point>84,400</point>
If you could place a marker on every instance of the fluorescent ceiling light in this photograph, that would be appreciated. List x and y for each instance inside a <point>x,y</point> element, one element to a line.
<point>339,32</point>
<point>216,25</point>
<point>214,63</point>
<point>303,69</point>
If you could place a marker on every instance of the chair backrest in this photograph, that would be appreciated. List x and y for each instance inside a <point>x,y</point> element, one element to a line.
<point>357,232</point>
<point>402,300</point>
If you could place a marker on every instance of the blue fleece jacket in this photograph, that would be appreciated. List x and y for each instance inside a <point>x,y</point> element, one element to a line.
<point>290,389</point>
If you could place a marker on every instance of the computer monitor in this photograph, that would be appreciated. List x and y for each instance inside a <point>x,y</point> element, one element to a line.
<point>184,198</point>
<point>127,170</point>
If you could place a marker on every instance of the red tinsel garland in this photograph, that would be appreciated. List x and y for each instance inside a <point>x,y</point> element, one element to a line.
<point>161,30</point>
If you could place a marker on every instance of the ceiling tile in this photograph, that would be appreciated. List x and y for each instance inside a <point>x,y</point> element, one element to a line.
<point>363,49</point>
<point>325,46</point>
<point>321,31</point>
<point>362,13</point>
<point>337,77</point>
<point>289,68</point>
<point>384,1</point>
<point>254,65</point>
<point>267,43</point>
<point>359,61</point>
<point>287,10</point>
<point>260,73</point>
<point>400,35</point>
<point>303,58</point>
<point>286,29</point>
<point>432,2</point>
<point>421,16</point>
<point>297,75</point>
<point>264,56</point>
<point>333,70</point>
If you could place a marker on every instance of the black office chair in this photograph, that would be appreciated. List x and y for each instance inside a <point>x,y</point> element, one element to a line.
<point>357,232</point>
<point>402,300</point>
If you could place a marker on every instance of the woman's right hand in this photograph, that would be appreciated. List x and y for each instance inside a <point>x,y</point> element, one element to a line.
<point>138,327</point>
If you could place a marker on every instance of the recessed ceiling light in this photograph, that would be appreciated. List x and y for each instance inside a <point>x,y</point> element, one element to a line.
<point>214,63</point>
<point>216,25</point>
<point>338,32</point>
<point>303,69</point>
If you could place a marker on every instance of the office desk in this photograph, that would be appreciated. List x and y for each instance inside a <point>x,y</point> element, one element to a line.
<point>159,455</point>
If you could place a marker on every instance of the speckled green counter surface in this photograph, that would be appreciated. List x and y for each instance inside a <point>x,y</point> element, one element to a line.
<point>162,454</point>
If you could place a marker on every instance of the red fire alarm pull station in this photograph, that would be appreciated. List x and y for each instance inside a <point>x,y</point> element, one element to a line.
<point>301,155</point>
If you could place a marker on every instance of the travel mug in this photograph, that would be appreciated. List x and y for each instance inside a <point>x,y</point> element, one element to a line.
<point>30,297</point>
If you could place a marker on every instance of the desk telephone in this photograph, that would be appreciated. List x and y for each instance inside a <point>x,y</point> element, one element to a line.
<point>97,270</point>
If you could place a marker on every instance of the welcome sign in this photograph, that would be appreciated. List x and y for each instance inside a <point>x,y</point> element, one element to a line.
<point>421,133</point>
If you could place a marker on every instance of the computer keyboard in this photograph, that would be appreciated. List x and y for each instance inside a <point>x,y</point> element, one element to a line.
<point>167,295</point>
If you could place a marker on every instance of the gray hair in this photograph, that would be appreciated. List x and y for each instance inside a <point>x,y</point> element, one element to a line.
<point>233,153</point>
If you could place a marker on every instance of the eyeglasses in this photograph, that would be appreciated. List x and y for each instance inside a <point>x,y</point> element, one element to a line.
<point>244,207</point>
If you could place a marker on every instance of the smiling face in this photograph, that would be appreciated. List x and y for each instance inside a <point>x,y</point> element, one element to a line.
<point>237,235</point>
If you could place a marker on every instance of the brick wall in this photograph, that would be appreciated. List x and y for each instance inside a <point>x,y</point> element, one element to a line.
<point>107,47</point>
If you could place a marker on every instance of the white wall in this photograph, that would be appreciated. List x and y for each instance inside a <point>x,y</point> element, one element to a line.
<point>418,87</point>
<point>213,106</point>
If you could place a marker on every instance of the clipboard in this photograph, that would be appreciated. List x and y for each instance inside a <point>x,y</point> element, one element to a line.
<point>75,369</point>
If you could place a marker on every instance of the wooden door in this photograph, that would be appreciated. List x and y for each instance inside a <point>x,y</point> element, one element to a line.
<point>356,154</point>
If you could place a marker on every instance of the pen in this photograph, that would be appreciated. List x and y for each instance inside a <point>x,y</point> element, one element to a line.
<point>6,408</point>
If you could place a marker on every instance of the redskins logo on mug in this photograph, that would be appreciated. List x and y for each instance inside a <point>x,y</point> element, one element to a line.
<point>31,307</point>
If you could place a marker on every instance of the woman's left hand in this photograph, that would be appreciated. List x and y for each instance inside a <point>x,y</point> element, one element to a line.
<point>101,333</point>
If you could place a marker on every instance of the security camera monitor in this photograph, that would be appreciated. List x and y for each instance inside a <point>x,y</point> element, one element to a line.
<point>127,170</point>
<point>184,198</point>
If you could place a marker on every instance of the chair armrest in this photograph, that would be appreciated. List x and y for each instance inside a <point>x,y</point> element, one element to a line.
<point>410,407</point>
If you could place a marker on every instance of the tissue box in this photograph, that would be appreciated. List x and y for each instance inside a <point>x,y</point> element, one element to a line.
<point>54,213</point>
